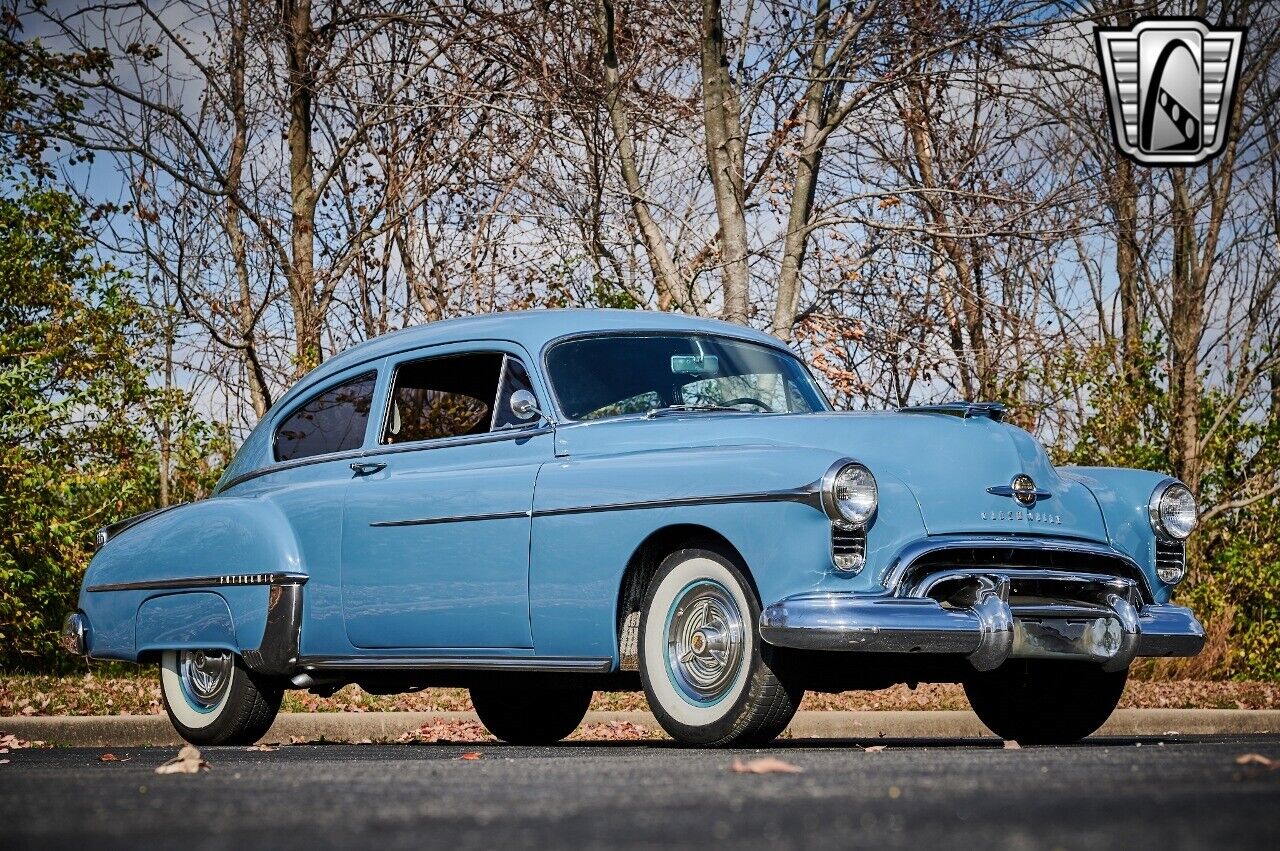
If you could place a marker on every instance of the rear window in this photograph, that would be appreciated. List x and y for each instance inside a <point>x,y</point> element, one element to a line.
<point>332,421</point>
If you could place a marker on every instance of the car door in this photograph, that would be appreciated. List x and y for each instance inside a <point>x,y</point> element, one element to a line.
<point>435,544</point>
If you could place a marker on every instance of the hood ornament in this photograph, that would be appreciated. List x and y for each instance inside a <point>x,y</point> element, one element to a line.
<point>1023,489</point>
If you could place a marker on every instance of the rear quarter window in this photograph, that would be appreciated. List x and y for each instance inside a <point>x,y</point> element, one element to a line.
<point>334,420</point>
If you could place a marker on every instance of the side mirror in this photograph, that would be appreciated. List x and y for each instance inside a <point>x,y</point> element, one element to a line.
<point>524,405</point>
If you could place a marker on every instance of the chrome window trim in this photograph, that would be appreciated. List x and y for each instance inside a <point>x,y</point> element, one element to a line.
<point>562,418</point>
<point>379,446</point>
<point>281,466</point>
<point>293,409</point>
<point>459,440</point>
<point>391,449</point>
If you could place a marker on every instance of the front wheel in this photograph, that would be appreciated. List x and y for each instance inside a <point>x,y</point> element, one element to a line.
<point>213,699</point>
<point>1035,702</point>
<point>531,715</point>
<point>709,678</point>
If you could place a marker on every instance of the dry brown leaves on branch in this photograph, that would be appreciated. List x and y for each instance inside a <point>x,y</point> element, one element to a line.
<point>188,761</point>
<point>765,765</point>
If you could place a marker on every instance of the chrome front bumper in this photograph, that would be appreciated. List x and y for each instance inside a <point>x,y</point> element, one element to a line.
<point>989,617</point>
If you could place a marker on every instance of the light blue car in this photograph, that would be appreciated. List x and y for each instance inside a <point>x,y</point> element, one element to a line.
<point>539,505</point>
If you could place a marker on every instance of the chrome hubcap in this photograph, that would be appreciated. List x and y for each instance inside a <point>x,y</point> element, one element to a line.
<point>205,675</point>
<point>705,641</point>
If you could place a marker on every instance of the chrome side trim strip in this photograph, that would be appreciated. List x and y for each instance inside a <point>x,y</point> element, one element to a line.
<point>808,495</point>
<point>204,582</point>
<point>461,518</point>
<point>594,664</point>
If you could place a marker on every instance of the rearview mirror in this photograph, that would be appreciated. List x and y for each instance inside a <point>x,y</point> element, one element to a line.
<point>524,405</point>
<point>695,365</point>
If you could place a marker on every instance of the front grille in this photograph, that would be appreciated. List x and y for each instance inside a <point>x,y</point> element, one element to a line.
<point>848,548</point>
<point>1083,560</point>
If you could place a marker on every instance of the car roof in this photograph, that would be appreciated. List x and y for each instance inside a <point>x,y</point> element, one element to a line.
<point>532,329</point>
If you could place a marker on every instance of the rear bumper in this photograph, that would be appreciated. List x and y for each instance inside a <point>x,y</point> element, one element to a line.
<point>1100,622</point>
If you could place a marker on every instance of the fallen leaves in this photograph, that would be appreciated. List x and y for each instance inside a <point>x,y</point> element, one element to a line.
<point>140,695</point>
<point>188,761</point>
<point>1011,745</point>
<point>110,757</point>
<point>614,731</point>
<point>447,731</point>
<point>874,748</point>
<point>1259,760</point>
<point>10,742</point>
<point>471,755</point>
<point>765,765</point>
<point>263,747</point>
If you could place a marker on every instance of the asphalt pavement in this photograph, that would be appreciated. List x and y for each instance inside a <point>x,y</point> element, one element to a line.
<point>1171,792</point>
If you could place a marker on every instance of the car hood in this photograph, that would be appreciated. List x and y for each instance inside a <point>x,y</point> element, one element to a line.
<point>948,463</point>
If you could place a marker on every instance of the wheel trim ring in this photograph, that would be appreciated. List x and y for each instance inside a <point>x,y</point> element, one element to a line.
<point>205,676</point>
<point>704,607</point>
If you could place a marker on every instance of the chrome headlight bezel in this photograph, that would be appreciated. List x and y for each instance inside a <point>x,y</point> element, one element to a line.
<point>834,508</point>
<point>1171,489</point>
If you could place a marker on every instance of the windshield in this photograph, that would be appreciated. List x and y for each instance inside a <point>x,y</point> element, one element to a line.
<point>598,377</point>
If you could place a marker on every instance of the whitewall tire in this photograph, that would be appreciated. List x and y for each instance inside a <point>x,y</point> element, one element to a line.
<point>213,699</point>
<point>709,678</point>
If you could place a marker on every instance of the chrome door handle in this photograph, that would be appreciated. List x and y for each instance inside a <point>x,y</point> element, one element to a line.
<point>366,468</point>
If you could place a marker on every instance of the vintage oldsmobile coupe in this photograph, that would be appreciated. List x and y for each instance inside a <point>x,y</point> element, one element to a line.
<point>539,505</point>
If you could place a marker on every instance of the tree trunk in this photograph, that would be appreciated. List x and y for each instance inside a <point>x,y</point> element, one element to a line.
<point>1125,207</point>
<point>726,152</point>
<point>808,164</point>
<point>1186,324</point>
<point>259,391</point>
<point>665,277</point>
<point>307,315</point>
<point>977,372</point>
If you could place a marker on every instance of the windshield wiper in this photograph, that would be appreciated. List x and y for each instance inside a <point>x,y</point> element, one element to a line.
<point>689,409</point>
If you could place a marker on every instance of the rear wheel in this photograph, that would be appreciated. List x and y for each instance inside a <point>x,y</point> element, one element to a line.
<point>213,699</point>
<point>531,716</point>
<point>1035,702</point>
<point>709,679</point>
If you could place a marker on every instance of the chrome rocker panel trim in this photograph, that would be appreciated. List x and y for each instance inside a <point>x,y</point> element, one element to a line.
<point>980,624</point>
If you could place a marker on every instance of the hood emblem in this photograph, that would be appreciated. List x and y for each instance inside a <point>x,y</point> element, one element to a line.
<point>1023,489</point>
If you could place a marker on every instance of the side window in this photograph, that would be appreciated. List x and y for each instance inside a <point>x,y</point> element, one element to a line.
<point>333,421</point>
<point>442,397</point>
<point>514,377</point>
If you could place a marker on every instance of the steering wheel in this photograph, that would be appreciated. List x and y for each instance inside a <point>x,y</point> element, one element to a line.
<point>747,400</point>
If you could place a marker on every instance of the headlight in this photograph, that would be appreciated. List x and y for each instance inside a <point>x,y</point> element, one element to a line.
<point>849,494</point>
<point>1173,510</point>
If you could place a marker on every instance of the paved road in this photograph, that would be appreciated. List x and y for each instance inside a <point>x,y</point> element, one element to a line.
<point>1121,793</point>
